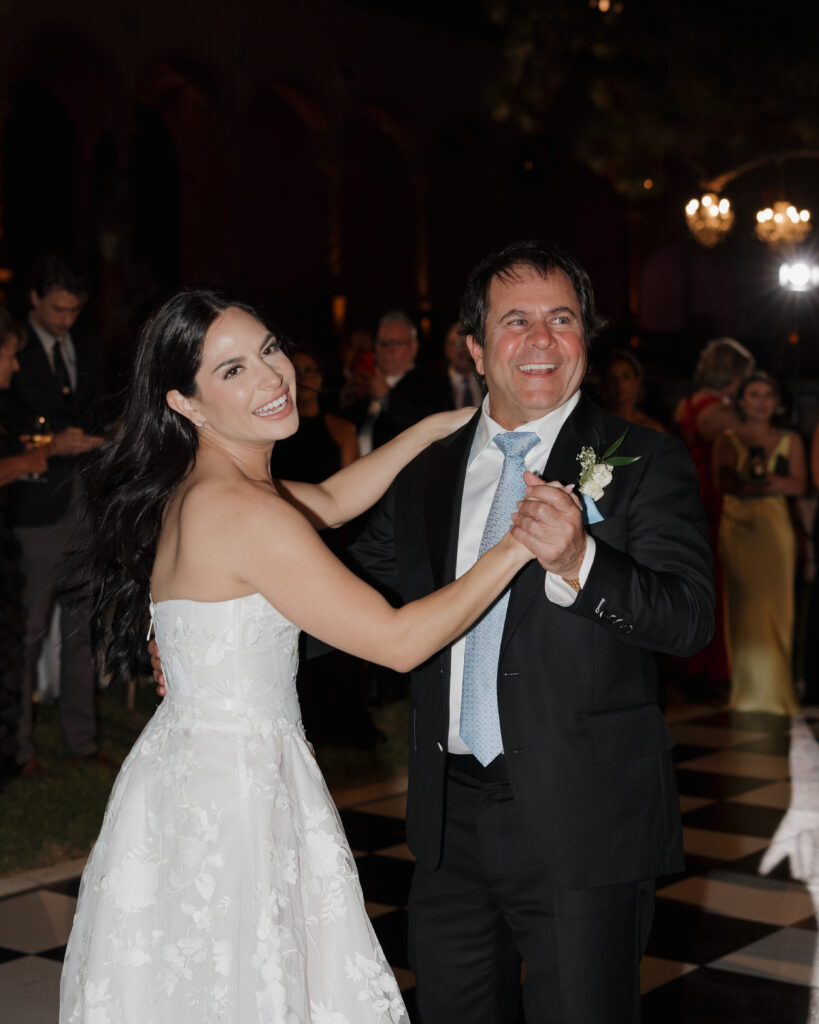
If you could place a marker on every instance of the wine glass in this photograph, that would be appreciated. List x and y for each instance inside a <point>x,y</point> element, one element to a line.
<point>39,433</point>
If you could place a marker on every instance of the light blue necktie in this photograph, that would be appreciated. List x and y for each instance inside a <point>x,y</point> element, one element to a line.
<point>480,724</point>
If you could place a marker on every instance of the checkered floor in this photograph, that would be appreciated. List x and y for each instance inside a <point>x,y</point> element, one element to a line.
<point>734,937</point>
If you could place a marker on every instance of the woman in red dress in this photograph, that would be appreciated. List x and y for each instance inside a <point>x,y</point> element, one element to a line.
<point>700,419</point>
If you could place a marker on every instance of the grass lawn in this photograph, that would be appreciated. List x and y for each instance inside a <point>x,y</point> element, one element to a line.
<point>57,817</point>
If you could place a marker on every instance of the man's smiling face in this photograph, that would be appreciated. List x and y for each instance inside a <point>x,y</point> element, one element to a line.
<point>534,356</point>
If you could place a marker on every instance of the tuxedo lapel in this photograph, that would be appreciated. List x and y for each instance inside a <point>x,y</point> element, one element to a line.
<point>442,501</point>
<point>581,428</point>
<point>443,491</point>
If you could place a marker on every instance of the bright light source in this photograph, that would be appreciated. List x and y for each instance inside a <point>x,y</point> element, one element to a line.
<point>709,218</point>
<point>799,277</point>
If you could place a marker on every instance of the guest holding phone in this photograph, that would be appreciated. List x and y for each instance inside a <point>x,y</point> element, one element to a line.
<point>757,467</point>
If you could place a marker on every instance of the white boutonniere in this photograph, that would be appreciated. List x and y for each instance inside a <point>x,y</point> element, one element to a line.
<point>596,473</point>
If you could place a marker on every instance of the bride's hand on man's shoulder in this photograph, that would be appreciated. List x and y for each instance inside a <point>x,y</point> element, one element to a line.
<point>446,423</point>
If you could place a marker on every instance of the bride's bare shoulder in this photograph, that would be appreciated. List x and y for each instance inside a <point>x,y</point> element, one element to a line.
<point>211,498</point>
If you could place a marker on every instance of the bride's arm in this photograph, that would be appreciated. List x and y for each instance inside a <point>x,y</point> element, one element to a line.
<point>278,554</point>
<point>357,487</point>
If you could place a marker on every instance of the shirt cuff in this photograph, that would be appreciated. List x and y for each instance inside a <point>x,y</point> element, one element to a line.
<point>558,590</point>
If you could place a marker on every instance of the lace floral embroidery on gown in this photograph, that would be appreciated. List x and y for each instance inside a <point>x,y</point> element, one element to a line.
<point>221,889</point>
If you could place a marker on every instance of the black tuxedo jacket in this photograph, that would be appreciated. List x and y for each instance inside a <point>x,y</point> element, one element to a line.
<point>586,745</point>
<point>34,392</point>
<point>416,395</point>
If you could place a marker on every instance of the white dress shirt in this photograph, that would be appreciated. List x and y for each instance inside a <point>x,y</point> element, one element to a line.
<point>482,475</point>
<point>69,352</point>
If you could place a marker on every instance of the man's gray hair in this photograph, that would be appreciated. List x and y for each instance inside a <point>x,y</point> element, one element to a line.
<point>398,316</point>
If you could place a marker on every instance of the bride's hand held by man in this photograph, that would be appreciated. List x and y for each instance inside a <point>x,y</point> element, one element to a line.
<point>549,525</point>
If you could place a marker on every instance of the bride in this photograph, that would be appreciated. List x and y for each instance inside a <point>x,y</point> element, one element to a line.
<point>221,887</point>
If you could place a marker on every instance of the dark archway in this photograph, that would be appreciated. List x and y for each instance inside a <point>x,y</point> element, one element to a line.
<point>40,180</point>
<point>284,197</point>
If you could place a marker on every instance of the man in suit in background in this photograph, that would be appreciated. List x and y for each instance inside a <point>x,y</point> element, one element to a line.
<point>464,386</point>
<point>396,393</point>
<point>542,801</point>
<point>62,384</point>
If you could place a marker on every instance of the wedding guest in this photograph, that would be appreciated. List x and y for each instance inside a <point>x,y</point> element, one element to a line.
<point>388,396</point>
<point>393,393</point>
<point>700,419</point>
<point>757,467</point>
<point>62,386</point>
<point>465,388</point>
<point>811,644</point>
<point>13,465</point>
<point>623,389</point>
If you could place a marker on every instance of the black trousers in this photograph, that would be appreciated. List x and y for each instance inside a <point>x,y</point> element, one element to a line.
<point>491,905</point>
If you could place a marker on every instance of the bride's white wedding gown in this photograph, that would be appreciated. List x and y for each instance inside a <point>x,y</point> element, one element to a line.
<point>221,889</point>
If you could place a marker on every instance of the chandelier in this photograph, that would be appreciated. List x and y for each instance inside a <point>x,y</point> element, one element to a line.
<point>782,225</point>
<point>709,219</point>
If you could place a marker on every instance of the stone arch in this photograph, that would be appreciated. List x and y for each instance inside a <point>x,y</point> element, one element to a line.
<point>188,97</point>
<point>61,100</point>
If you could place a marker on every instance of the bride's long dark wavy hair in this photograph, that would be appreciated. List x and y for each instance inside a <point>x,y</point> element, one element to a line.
<point>132,475</point>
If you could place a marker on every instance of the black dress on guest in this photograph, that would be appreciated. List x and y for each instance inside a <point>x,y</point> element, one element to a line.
<point>332,687</point>
<point>310,455</point>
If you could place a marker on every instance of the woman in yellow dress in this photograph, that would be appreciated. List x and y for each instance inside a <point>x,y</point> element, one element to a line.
<point>757,466</point>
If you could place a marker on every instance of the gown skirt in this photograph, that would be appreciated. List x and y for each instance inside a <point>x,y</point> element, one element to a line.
<point>221,889</point>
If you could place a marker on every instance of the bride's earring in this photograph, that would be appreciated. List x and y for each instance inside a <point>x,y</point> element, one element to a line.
<point>200,423</point>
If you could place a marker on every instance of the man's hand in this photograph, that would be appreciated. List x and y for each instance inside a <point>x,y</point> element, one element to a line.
<point>156,665</point>
<point>73,441</point>
<point>548,522</point>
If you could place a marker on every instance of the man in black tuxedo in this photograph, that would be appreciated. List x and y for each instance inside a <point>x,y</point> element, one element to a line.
<point>539,836</point>
<point>62,382</point>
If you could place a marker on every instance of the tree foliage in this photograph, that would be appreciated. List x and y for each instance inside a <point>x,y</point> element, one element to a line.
<point>661,88</point>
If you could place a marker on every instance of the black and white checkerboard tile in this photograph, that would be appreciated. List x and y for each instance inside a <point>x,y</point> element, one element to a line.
<point>735,936</point>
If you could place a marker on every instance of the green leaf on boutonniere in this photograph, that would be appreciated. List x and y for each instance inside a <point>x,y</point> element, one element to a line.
<point>619,460</point>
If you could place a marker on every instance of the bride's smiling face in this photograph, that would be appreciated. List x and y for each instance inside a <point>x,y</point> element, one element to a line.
<point>245,386</point>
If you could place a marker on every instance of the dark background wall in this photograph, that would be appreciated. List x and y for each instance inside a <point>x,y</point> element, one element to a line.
<point>339,160</point>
